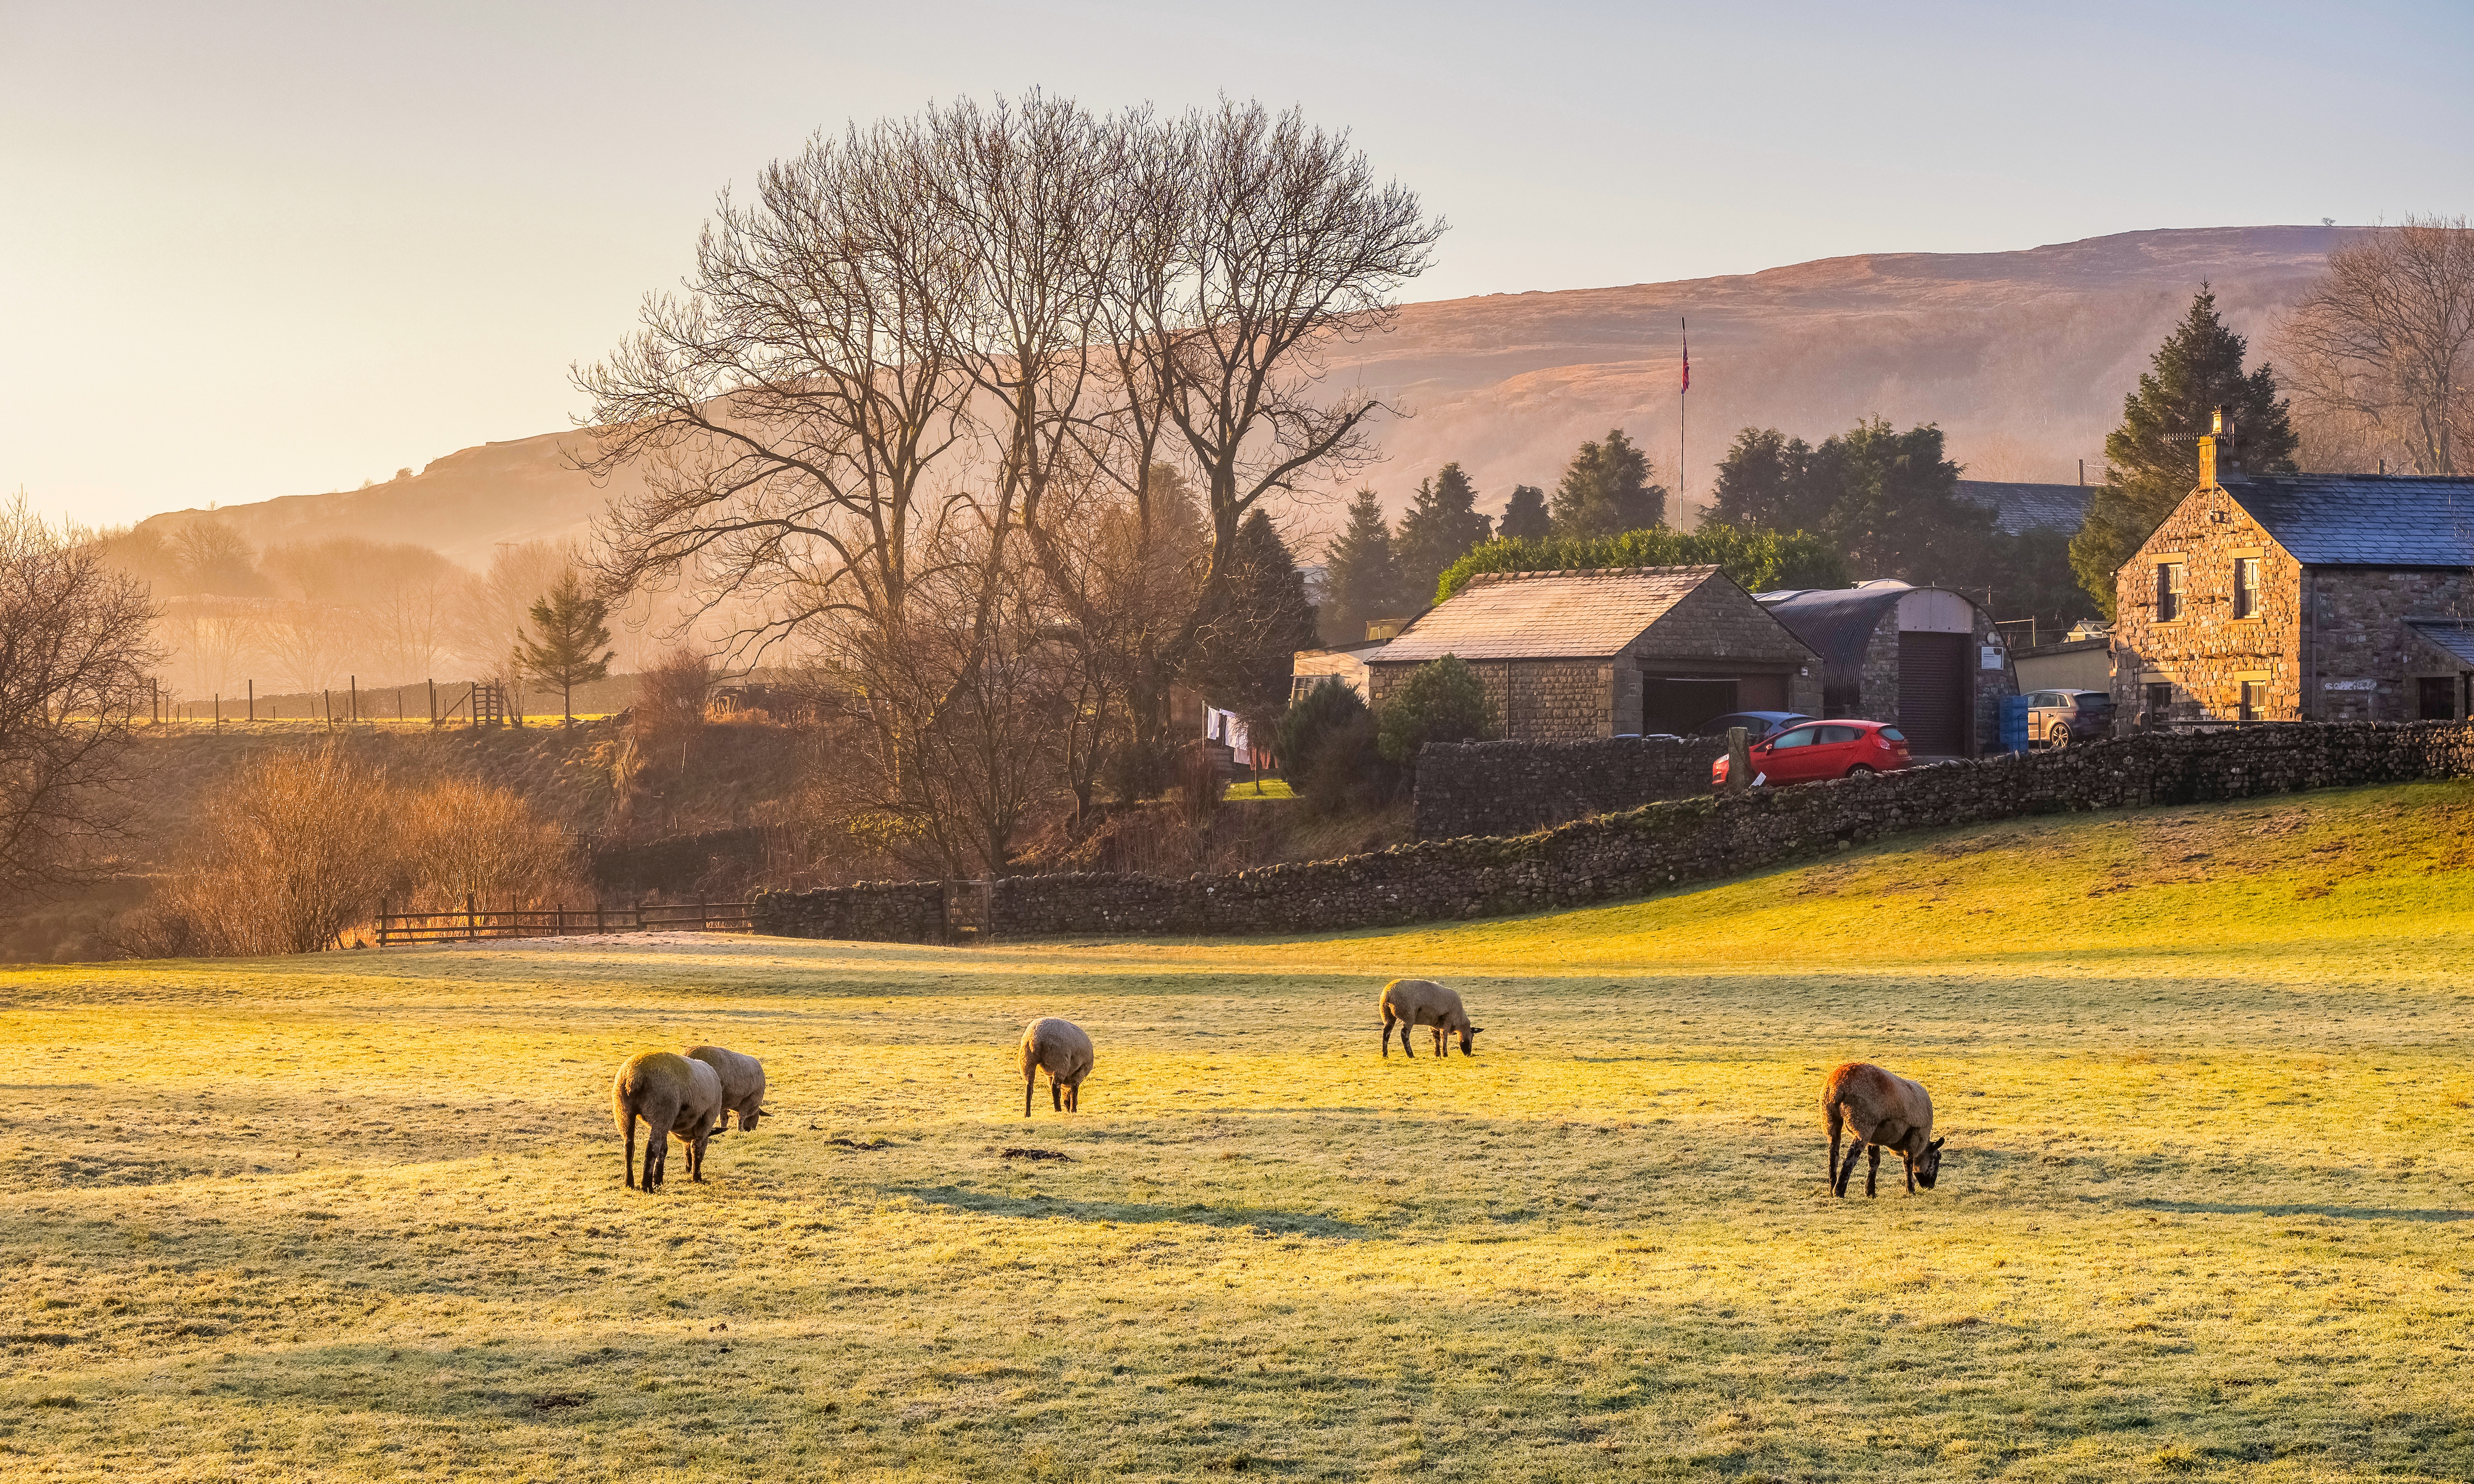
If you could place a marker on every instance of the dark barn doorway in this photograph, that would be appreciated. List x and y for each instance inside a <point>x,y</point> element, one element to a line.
<point>1682,704</point>
<point>1933,692</point>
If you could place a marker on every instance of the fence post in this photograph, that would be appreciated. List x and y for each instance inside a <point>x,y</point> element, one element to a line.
<point>355,713</point>
<point>382,921</point>
<point>467,918</point>
<point>253,700</point>
<point>596,914</point>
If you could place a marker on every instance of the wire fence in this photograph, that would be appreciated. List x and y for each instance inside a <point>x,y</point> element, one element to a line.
<point>477,923</point>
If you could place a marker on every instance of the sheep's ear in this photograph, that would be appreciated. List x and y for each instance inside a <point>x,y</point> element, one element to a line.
<point>1938,1142</point>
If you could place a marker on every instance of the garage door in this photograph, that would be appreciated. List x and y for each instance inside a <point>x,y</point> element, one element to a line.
<point>1932,692</point>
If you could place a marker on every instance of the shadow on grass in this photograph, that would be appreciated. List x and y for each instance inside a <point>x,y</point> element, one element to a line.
<point>1133,1212</point>
<point>2343,1213</point>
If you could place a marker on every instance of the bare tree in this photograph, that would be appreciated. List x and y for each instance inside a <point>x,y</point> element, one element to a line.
<point>75,648</point>
<point>2380,351</point>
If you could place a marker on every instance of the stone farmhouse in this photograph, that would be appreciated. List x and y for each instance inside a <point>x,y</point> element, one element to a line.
<point>2312,597</point>
<point>1928,659</point>
<point>1567,656</point>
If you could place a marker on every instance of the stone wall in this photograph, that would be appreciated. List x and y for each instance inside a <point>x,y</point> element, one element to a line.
<point>870,912</point>
<point>1661,845</point>
<point>2356,633</point>
<point>1535,700</point>
<point>1511,787</point>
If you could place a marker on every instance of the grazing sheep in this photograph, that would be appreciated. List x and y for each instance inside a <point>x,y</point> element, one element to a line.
<point>742,1084</point>
<point>1061,1048</point>
<point>1412,1002</point>
<point>1885,1111</point>
<point>673,1095</point>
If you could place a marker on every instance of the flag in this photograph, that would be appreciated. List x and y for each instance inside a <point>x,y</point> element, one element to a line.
<point>1687,355</point>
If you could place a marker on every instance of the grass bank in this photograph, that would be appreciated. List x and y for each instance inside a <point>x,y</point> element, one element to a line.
<point>2206,1210</point>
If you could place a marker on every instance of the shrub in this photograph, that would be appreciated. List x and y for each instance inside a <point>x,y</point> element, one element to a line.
<point>1328,707</point>
<point>292,852</point>
<point>1757,560</point>
<point>1442,701</point>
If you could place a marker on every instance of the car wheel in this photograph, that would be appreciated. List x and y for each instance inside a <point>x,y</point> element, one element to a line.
<point>1862,771</point>
<point>2060,735</point>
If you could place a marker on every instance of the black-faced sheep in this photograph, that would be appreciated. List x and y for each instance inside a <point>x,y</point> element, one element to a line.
<point>1885,1111</point>
<point>1408,1002</point>
<point>673,1095</point>
<point>743,1082</point>
<point>1061,1048</point>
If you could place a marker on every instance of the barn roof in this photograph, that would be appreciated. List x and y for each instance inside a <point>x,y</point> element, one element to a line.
<point>2364,519</point>
<point>2019,508</point>
<point>1547,615</point>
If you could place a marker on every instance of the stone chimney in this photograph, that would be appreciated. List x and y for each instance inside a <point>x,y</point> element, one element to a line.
<point>2217,459</point>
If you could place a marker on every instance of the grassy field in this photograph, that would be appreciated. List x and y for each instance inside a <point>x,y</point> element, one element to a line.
<point>2205,1210</point>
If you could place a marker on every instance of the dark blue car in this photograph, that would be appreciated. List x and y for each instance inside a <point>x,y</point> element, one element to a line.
<point>1758,725</point>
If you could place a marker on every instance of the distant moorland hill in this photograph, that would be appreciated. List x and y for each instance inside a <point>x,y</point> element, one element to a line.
<point>2023,358</point>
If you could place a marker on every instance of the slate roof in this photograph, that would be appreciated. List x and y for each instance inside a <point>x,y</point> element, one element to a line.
<point>2455,635</point>
<point>1545,616</point>
<point>2018,508</point>
<point>2364,519</point>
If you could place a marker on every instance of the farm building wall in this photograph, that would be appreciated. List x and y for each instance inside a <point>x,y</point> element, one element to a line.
<point>1662,845</point>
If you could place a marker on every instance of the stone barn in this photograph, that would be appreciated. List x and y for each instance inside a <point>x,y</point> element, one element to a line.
<point>1609,654</point>
<point>1927,660</point>
<point>2310,597</point>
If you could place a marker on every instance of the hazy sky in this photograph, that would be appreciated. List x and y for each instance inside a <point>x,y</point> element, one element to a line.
<point>258,250</point>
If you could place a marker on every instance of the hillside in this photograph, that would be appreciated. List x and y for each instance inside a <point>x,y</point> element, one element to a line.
<point>2202,1212</point>
<point>2022,357</point>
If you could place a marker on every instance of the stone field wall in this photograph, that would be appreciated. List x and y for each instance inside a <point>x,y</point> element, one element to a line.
<point>1654,847</point>
<point>1513,787</point>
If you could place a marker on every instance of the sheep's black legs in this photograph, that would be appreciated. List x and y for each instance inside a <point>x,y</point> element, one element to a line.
<point>1872,1169</point>
<point>1909,1162</point>
<point>1027,1084</point>
<point>1439,1041</point>
<point>1836,1121</point>
<point>631,1151</point>
<point>1846,1171</point>
<point>1055,1094</point>
<point>1387,1038</point>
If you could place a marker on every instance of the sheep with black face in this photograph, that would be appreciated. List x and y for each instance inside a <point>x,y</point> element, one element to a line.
<point>1408,1002</point>
<point>1884,1112</point>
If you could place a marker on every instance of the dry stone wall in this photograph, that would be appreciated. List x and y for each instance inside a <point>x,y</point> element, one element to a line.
<point>870,912</point>
<point>1663,845</point>
<point>1510,789</point>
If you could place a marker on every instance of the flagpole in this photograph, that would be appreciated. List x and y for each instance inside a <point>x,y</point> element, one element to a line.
<point>1682,394</point>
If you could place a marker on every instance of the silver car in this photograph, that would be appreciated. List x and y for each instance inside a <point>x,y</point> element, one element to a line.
<point>2057,718</point>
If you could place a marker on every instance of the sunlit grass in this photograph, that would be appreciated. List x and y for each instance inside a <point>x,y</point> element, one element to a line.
<point>2205,1212</point>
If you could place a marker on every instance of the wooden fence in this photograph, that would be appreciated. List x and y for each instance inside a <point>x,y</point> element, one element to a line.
<point>477,923</point>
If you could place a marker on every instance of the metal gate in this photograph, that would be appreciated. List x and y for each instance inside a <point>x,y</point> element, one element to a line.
<point>1933,692</point>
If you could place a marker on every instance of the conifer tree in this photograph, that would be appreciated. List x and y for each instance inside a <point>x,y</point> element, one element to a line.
<point>569,624</point>
<point>2152,459</point>
<point>1361,576</point>
<point>1437,528</point>
<point>1606,491</point>
<point>1525,516</point>
<point>1244,657</point>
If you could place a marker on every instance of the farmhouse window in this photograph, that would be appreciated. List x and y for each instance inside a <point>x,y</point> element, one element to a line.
<point>2253,694</point>
<point>2245,587</point>
<point>2168,591</point>
<point>2160,703</point>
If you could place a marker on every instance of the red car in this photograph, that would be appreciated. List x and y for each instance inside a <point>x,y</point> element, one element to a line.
<point>1823,750</point>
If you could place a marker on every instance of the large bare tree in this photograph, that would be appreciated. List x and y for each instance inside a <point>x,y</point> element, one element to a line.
<point>75,649</point>
<point>931,344</point>
<point>2382,349</point>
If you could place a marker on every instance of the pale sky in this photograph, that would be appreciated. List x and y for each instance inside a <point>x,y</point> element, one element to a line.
<point>252,249</point>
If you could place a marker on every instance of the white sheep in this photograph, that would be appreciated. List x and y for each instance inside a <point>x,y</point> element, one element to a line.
<point>673,1095</point>
<point>1408,1002</point>
<point>743,1082</point>
<point>1065,1051</point>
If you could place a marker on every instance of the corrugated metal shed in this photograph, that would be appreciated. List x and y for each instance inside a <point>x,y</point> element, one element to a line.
<point>1547,615</point>
<point>2364,519</point>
